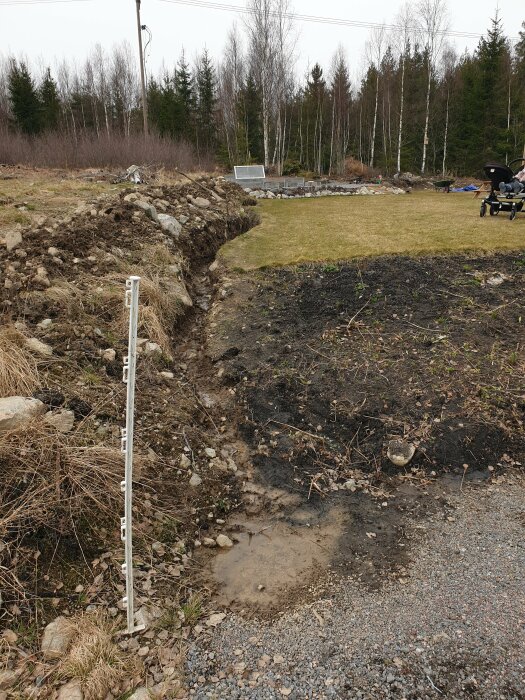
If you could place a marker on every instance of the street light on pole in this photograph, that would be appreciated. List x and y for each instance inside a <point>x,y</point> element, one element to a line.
<point>142,72</point>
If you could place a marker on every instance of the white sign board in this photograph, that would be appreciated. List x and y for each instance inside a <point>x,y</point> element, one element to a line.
<point>249,172</point>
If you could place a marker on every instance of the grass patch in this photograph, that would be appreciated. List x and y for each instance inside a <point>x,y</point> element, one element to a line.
<point>341,228</point>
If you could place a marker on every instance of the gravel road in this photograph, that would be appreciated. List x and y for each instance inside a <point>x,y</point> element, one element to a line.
<point>455,628</point>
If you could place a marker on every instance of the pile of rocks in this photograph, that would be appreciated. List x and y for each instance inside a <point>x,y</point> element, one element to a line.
<point>325,191</point>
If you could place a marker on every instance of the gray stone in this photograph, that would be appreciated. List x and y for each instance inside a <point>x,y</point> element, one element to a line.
<point>152,349</point>
<point>170,225</point>
<point>224,542</point>
<point>9,678</point>
<point>58,635</point>
<point>63,421</point>
<point>71,691</point>
<point>195,480</point>
<point>185,462</point>
<point>148,209</point>
<point>200,202</point>
<point>45,324</point>
<point>12,239</point>
<point>109,355</point>
<point>18,411</point>
<point>54,252</point>
<point>141,694</point>
<point>39,347</point>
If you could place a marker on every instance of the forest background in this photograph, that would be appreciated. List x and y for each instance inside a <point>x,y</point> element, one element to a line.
<point>418,106</point>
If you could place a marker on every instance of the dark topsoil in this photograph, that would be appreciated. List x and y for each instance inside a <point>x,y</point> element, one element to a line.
<point>335,361</point>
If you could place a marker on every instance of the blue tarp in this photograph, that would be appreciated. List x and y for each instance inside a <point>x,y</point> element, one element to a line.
<point>467,188</point>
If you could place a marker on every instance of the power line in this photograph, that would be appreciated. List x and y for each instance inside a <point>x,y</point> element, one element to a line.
<point>315,19</point>
<point>23,3</point>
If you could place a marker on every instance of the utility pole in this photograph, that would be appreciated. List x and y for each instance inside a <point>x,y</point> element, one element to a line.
<point>142,72</point>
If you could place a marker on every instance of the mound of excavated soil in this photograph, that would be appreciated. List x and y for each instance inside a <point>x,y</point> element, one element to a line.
<point>63,287</point>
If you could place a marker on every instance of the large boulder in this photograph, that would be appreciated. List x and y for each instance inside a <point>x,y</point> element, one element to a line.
<point>170,225</point>
<point>58,635</point>
<point>18,411</point>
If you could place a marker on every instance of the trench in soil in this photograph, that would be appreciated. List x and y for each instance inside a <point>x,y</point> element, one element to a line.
<point>320,367</point>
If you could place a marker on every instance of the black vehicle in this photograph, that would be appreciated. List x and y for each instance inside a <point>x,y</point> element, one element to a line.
<point>496,201</point>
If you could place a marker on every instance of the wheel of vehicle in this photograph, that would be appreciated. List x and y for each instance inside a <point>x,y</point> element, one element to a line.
<point>483,210</point>
<point>513,212</point>
<point>493,210</point>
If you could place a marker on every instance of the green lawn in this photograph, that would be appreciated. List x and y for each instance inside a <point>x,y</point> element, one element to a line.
<point>340,228</point>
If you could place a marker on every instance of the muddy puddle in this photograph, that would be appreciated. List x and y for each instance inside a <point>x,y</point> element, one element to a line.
<point>294,554</point>
<point>273,559</point>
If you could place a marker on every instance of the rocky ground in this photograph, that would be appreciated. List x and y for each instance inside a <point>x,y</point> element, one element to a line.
<point>63,339</point>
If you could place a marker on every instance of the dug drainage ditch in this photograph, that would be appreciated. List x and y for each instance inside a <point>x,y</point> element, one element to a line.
<point>267,407</point>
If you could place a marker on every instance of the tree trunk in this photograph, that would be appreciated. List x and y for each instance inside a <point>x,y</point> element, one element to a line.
<point>445,145</point>
<point>401,115</point>
<point>107,119</point>
<point>373,147</point>
<point>427,119</point>
<point>332,139</point>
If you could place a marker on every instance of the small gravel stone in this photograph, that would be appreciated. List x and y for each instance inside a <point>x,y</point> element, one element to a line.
<point>224,542</point>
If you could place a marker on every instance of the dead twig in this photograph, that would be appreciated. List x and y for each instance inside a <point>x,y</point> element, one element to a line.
<point>298,430</point>
<point>357,314</point>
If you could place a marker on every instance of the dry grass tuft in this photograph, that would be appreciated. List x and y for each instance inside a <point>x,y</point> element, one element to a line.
<point>94,659</point>
<point>52,480</point>
<point>18,368</point>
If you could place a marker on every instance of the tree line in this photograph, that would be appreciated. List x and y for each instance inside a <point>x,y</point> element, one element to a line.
<point>418,106</point>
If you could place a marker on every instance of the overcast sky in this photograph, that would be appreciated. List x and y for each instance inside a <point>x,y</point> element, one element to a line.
<point>69,29</point>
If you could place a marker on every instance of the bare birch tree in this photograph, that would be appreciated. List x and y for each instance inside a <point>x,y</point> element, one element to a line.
<point>124,83</point>
<point>284,77</point>
<point>260,24</point>
<point>402,40</point>
<point>433,22</point>
<point>375,50</point>
<point>99,60</point>
<point>230,79</point>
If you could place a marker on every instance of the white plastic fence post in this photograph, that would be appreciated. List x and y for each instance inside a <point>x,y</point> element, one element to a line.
<point>126,523</point>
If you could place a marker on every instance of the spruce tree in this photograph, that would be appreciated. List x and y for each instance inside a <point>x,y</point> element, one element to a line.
<point>316,120</point>
<point>252,120</point>
<point>50,103</point>
<point>23,95</point>
<point>492,91</point>
<point>206,103</point>
<point>184,90</point>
